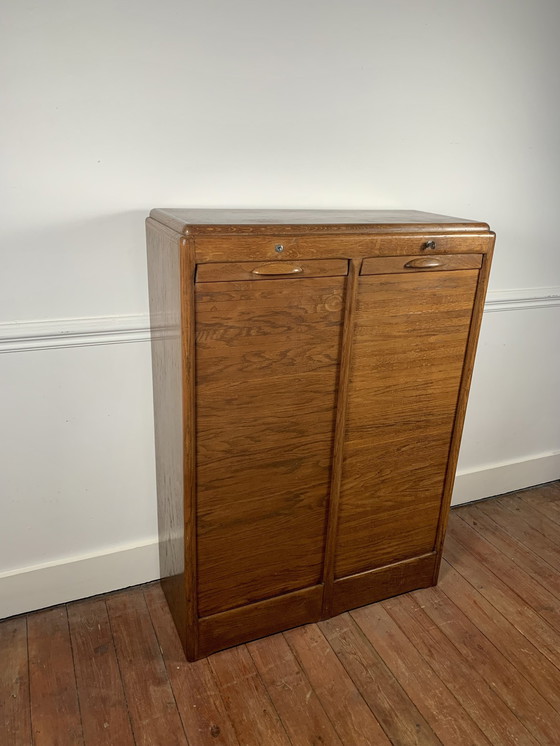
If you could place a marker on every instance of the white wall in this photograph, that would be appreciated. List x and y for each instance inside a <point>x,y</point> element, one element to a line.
<point>112,108</point>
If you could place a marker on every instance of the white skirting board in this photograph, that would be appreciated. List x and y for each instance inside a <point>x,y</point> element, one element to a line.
<point>80,577</point>
<point>501,478</point>
<point>37,587</point>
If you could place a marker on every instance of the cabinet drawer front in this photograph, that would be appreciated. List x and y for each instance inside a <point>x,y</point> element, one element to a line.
<point>381,265</point>
<point>223,271</point>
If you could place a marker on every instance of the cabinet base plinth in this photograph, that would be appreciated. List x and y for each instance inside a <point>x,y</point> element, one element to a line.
<point>375,585</point>
<point>245,623</point>
<point>263,618</point>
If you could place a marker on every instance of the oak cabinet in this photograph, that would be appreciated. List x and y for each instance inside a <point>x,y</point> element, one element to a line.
<point>311,371</point>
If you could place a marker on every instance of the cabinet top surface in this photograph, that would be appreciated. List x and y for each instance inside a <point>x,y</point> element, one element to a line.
<point>220,221</point>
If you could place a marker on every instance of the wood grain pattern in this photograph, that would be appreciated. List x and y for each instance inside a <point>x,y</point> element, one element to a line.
<point>381,265</point>
<point>267,367</point>
<point>441,710</point>
<point>261,618</point>
<point>520,528</point>
<point>410,340</point>
<point>190,495</point>
<point>247,702</point>
<point>225,271</point>
<point>199,701</point>
<point>193,221</point>
<point>339,434</point>
<point>15,710</point>
<point>509,603</point>
<point>469,662</point>
<point>383,582</point>
<point>540,570</point>
<point>164,275</point>
<point>545,500</point>
<point>56,713</point>
<point>102,702</point>
<point>304,718</point>
<point>386,698</point>
<point>528,661</point>
<point>151,704</point>
<point>536,519</point>
<point>304,247</point>
<point>485,707</point>
<point>538,716</point>
<point>354,721</point>
<point>520,581</point>
<point>295,461</point>
<point>461,410</point>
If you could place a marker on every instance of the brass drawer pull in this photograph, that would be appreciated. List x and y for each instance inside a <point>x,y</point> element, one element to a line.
<point>277,268</point>
<point>423,263</point>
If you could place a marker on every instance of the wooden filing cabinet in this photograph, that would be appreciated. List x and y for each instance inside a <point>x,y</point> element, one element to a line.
<point>311,371</point>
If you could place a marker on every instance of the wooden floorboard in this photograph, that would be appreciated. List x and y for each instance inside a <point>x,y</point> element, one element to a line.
<point>55,711</point>
<point>523,556</point>
<point>441,709</point>
<point>151,703</point>
<point>519,581</point>
<point>484,706</point>
<point>529,662</point>
<point>535,518</point>
<point>472,662</point>
<point>506,601</point>
<point>15,711</point>
<point>303,715</point>
<point>246,699</point>
<point>354,721</point>
<point>105,718</point>
<point>530,707</point>
<point>398,715</point>
<point>198,697</point>
<point>520,528</point>
<point>546,500</point>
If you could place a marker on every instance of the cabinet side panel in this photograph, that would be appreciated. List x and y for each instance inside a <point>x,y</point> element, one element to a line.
<point>410,339</point>
<point>267,367</point>
<point>165,320</point>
